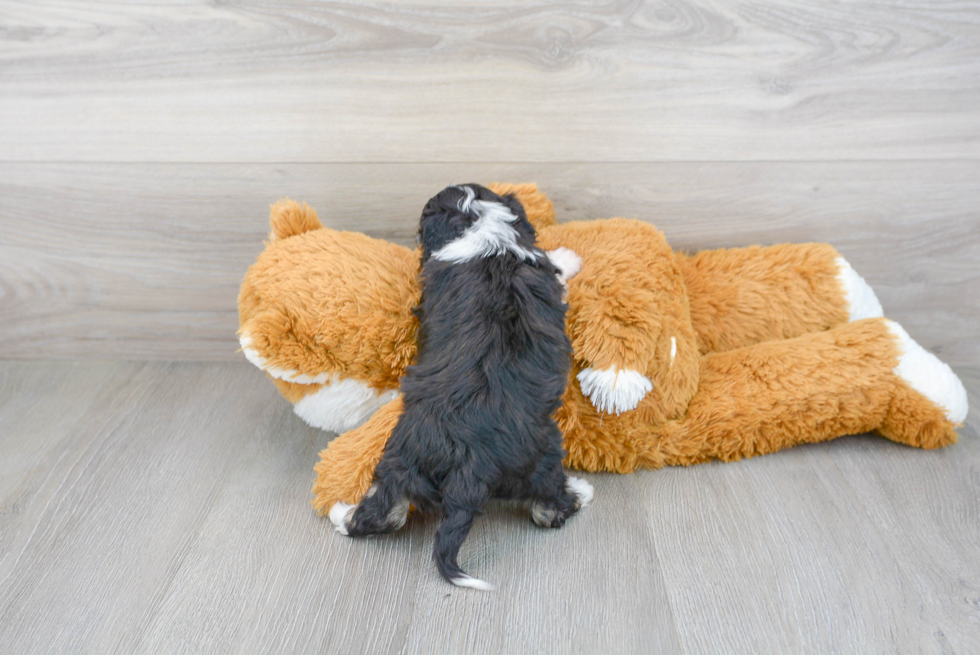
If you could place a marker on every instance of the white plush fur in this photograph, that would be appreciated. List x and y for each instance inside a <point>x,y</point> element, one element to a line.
<point>567,261</point>
<point>341,405</point>
<point>929,376</point>
<point>861,299</point>
<point>252,355</point>
<point>613,391</point>
<point>491,234</point>
<point>339,514</point>
<point>580,488</point>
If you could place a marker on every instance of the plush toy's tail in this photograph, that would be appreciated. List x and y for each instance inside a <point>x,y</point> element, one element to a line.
<point>289,218</point>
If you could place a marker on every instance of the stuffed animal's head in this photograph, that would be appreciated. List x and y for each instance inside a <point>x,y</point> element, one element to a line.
<point>328,314</point>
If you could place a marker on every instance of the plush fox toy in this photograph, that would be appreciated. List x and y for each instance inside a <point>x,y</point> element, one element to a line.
<point>678,359</point>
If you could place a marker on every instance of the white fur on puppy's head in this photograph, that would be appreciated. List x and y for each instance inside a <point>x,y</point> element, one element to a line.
<point>489,226</point>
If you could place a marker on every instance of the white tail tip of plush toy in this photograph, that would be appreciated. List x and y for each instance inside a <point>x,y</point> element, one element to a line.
<point>472,583</point>
<point>931,377</point>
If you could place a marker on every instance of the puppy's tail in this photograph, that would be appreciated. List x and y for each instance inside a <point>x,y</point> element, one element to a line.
<point>449,539</point>
<point>289,218</point>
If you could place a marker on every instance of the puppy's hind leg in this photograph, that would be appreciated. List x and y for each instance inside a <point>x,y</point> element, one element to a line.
<point>383,509</point>
<point>555,496</point>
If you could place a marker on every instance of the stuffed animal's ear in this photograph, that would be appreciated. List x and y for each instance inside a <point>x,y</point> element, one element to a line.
<point>540,212</point>
<point>288,218</point>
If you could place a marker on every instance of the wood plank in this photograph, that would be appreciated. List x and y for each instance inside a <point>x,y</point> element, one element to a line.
<point>182,523</point>
<point>44,400</point>
<point>93,533</point>
<point>277,578</point>
<point>567,590</point>
<point>175,518</point>
<point>858,545</point>
<point>308,81</point>
<point>144,261</point>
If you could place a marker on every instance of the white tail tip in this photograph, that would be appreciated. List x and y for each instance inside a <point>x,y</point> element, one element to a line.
<point>472,583</point>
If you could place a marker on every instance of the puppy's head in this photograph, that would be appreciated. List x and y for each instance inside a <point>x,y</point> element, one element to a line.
<point>469,221</point>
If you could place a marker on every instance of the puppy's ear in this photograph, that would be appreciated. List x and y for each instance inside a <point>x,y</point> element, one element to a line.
<point>522,225</point>
<point>434,230</point>
<point>514,205</point>
<point>443,219</point>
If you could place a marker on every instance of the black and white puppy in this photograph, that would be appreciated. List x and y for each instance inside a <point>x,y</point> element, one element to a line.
<point>492,365</point>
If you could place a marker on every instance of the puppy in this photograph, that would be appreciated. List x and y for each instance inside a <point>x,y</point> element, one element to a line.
<point>492,365</point>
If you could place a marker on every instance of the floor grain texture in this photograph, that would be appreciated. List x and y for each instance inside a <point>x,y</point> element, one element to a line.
<point>163,507</point>
<point>423,81</point>
<point>144,261</point>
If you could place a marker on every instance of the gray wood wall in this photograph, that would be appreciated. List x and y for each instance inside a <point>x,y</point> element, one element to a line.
<point>141,144</point>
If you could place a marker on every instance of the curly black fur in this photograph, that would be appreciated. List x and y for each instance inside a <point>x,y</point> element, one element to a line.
<point>492,366</point>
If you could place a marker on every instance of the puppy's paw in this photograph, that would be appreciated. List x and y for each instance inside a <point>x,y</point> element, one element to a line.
<point>612,391</point>
<point>547,516</point>
<point>340,515</point>
<point>580,489</point>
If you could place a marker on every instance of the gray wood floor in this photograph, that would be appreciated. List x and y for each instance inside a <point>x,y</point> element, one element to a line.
<point>161,504</point>
<point>514,80</point>
<point>163,507</point>
<point>143,261</point>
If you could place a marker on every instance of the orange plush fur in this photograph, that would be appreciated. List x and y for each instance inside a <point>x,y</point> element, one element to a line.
<point>748,350</point>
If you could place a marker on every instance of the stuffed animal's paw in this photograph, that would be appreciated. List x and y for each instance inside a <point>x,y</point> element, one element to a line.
<point>566,261</point>
<point>612,391</point>
<point>931,377</point>
<point>859,296</point>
